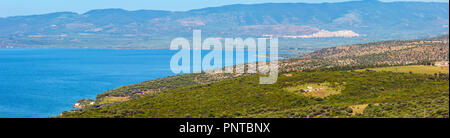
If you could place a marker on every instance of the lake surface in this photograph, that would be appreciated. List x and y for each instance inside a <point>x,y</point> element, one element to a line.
<point>38,83</point>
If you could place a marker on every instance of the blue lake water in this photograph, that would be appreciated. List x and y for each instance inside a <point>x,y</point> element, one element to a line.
<point>38,83</point>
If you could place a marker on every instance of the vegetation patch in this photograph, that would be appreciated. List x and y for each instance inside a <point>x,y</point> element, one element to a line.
<point>434,105</point>
<point>420,69</point>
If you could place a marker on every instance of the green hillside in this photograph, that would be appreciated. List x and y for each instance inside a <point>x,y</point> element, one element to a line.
<point>387,94</point>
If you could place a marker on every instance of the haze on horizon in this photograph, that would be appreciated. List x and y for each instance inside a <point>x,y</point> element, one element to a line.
<point>32,7</point>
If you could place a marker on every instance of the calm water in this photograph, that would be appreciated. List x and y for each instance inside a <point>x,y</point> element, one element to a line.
<point>45,82</point>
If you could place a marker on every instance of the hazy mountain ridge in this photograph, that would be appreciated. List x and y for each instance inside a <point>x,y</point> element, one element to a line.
<point>370,19</point>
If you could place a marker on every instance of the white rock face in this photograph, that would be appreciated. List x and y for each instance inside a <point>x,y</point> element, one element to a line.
<point>326,33</point>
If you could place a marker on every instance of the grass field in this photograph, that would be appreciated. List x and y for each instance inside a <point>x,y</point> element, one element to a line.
<point>107,100</point>
<point>420,69</point>
<point>358,109</point>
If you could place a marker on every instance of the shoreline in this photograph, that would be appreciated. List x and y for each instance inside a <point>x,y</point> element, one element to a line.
<point>94,101</point>
<point>2,48</point>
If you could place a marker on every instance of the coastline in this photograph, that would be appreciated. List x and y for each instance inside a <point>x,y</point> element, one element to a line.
<point>96,102</point>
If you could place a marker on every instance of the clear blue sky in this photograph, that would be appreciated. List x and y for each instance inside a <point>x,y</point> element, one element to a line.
<point>29,7</point>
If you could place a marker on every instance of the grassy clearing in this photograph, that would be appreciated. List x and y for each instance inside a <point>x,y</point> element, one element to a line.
<point>359,109</point>
<point>420,69</point>
<point>111,99</point>
<point>320,90</point>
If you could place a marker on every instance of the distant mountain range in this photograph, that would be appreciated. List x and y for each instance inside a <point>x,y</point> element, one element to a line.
<point>368,20</point>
